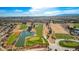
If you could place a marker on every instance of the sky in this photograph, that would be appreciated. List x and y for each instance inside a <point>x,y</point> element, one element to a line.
<point>38,11</point>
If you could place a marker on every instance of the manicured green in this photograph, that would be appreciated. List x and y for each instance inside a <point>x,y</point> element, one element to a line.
<point>39,30</point>
<point>38,39</point>
<point>34,38</point>
<point>23,26</point>
<point>12,38</point>
<point>46,42</point>
<point>69,44</point>
<point>63,36</point>
<point>34,41</point>
<point>76,25</point>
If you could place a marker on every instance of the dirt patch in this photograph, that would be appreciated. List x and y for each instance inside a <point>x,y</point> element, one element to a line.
<point>17,30</point>
<point>45,30</point>
<point>57,28</point>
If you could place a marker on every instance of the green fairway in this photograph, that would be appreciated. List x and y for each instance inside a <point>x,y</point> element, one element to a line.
<point>76,25</point>
<point>38,39</point>
<point>63,36</point>
<point>46,42</point>
<point>23,26</point>
<point>12,38</point>
<point>69,44</point>
<point>39,30</point>
<point>35,40</point>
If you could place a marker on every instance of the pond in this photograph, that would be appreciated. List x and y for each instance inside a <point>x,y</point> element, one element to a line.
<point>21,38</point>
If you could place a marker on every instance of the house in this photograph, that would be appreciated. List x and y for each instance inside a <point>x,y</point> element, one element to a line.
<point>75,32</point>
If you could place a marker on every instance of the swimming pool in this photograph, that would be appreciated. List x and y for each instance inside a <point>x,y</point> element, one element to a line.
<point>21,38</point>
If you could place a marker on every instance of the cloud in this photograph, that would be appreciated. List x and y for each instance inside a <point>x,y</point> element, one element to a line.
<point>47,12</point>
<point>33,12</point>
<point>52,13</point>
<point>42,12</point>
<point>39,12</point>
<point>73,11</point>
<point>18,11</point>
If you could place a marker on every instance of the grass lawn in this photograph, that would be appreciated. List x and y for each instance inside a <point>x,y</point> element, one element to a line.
<point>63,36</point>
<point>76,25</point>
<point>37,40</point>
<point>23,26</point>
<point>34,38</point>
<point>46,42</point>
<point>12,38</point>
<point>34,41</point>
<point>39,30</point>
<point>69,44</point>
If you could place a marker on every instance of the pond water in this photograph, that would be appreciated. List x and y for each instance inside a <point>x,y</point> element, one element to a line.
<point>21,38</point>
